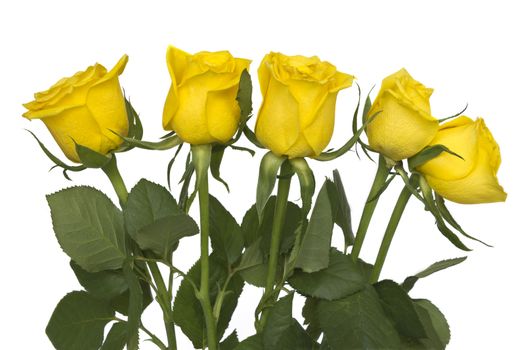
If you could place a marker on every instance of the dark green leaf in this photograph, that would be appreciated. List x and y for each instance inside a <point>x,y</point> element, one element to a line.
<point>78,322</point>
<point>116,338</point>
<point>400,308</point>
<point>230,342</point>
<point>89,228</point>
<point>310,318</point>
<point>279,321</point>
<point>357,322</point>
<point>154,220</point>
<point>187,309</point>
<point>341,278</point>
<point>225,234</point>
<point>428,153</point>
<point>103,284</point>
<point>215,164</point>
<point>315,248</point>
<point>254,342</point>
<point>268,170</point>
<point>91,158</point>
<point>295,338</point>
<point>341,208</point>
<point>162,236</point>
<point>439,322</point>
<point>409,282</point>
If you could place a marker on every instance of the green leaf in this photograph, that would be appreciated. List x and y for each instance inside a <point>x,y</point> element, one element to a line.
<point>103,284</point>
<point>154,220</point>
<point>252,230</point>
<point>306,180</point>
<point>78,322</point>
<point>340,207</point>
<point>296,338</point>
<point>400,309</point>
<point>134,308</point>
<point>187,310</point>
<point>162,236</point>
<point>268,170</point>
<point>438,321</point>
<point>230,342</point>
<point>310,318</point>
<point>342,277</point>
<point>315,248</point>
<point>91,158</point>
<point>89,228</point>
<point>215,164</point>
<point>357,322</point>
<point>225,233</point>
<point>428,153</point>
<point>279,321</point>
<point>116,338</point>
<point>110,285</point>
<point>254,342</point>
<point>410,281</point>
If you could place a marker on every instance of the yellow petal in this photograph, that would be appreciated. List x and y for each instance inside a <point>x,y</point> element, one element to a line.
<point>341,81</point>
<point>310,96</point>
<point>264,73</point>
<point>320,131</point>
<point>116,70</point>
<point>480,186</point>
<point>170,108</point>
<point>278,124</point>
<point>223,113</point>
<point>461,137</point>
<point>300,149</point>
<point>177,61</point>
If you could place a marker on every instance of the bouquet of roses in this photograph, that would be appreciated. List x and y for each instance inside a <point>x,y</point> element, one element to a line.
<point>285,249</point>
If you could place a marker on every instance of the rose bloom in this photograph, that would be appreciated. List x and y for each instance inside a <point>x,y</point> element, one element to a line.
<point>472,179</point>
<point>297,115</point>
<point>404,125</point>
<point>201,105</point>
<point>87,108</point>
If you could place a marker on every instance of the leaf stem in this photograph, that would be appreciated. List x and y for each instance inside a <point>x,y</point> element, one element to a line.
<point>401,203</point>
<point>370,206</point>
<point>279,216</point>
<point>204,291</point>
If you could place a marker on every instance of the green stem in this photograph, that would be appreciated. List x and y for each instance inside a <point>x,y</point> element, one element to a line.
<point>112,172</point>
<point>164,300</point>
<point>204,291</point>
<point>370,206</point>
<point>402,201</point>
<point>279,217</point>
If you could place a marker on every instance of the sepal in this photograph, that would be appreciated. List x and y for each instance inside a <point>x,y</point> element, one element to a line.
<point>268,170</point>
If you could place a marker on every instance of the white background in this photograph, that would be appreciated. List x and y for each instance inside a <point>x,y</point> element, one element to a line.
<point>467,51</point>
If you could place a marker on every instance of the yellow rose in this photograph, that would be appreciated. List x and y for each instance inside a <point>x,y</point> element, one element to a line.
<point>201,106</point>
<point>85,108</point>
<point>471,179</point>
<point>297,115</point>
<point>404,125</point>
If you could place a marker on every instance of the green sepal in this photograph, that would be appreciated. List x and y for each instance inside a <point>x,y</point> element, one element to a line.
<point>427,154</point>
<point>56,160</point>
<point>91,158</point>
<point>135,130</point>
<point>306,181</point>
<point>170,165</point>
<point>268,170</point>
<point>454,116</point>
<point>366,108</point>
<point>410,281</point>
<point>164,144</point>
<point>186,200</point>
<point>201,159</point>
<point>428,198</point>
<point>443,210</point>
<point>244,99</point>
<point>250,135</point>
<point>215,164</point>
